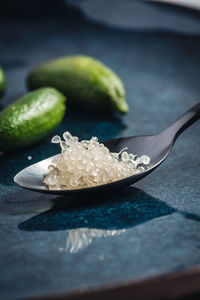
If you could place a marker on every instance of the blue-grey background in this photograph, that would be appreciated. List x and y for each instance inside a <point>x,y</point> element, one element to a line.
<point>141,14</point>
<point>155,223</point>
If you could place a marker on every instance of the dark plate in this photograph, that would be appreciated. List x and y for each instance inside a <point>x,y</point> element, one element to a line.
<point>139,239</point>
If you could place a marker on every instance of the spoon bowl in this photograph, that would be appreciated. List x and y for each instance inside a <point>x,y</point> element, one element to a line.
<point>157,147</point>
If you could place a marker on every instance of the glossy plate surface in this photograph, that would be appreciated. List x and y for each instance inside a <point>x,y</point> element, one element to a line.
<point>52,245</point>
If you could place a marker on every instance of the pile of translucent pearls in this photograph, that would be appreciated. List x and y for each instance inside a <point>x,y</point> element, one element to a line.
<point>89,163</point>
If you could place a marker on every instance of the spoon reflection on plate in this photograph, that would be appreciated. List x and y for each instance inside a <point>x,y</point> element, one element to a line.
<point>80,238</point>
<point>157,147</point>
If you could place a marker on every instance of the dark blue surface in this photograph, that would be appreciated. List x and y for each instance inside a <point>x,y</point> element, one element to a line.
<point>149,229</point>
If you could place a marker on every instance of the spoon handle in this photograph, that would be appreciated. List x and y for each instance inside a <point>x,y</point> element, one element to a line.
<point>187,119</point>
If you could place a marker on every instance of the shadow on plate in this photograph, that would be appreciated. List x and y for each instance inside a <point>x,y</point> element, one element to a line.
<point>120,210</point>
<point>98,215</point>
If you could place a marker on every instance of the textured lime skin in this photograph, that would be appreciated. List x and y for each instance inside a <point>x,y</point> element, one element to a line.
<point>2,82</point>
<point>87,83</point>
<point>30,118</point>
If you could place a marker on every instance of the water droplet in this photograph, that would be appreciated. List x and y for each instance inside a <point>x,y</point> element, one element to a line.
<point>133,163</point>
<point>56,139</point>
<point>125,156</point>
<point>94,139</point>
<point>145,159</point>
<point>101,257</point>
<point>140,169</point>
<point>68,138</point>
<point>63,145</point>
<point>132,156</point>
<point>52,179</point>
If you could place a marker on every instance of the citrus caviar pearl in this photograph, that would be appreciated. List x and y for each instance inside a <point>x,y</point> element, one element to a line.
<point>89,163</point>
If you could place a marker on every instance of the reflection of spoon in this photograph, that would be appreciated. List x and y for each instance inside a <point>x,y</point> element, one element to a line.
<point>157,147</point>
<point>80,238</point>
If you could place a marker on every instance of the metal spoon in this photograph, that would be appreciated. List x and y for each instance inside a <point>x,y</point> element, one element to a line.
<point>157,147</point>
